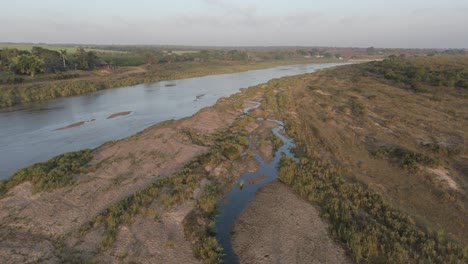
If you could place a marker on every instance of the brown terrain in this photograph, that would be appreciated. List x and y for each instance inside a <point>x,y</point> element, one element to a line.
<point>45,226</point>
<point>77,124</point>
<point>280,227</point>
<point>339,116</point>
<point>33,223</point>
<point>119,114</point>
<point>348,118</point>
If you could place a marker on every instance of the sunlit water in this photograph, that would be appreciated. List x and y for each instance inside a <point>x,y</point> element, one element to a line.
<point>28,133</point>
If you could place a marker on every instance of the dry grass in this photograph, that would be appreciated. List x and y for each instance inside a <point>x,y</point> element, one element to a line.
<point>354,115</point>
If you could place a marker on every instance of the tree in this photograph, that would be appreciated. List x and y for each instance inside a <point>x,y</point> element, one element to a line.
<point>28,64</point>
<point>150,57</point>
<point>63,53</point>
<point>52,59</point>
<point>7,56</point>
<point>92,59</point>
<point>370,50</point>
<point>85,60</point>
<point>81,57</point>
<point>328,55</point>
<point>314,52</point>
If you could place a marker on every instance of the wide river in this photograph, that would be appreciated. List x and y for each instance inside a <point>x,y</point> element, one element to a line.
<point>28,134</point>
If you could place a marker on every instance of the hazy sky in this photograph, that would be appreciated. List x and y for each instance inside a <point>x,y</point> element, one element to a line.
<point>357,23</point>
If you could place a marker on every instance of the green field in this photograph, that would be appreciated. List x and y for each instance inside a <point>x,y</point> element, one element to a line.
<point>72,48</point>
<point>69,48</point>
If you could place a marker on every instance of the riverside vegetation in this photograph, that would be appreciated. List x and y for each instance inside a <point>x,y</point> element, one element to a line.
<point>386,164</point>
<point>68,73</point>
<point>54,173</point>
<point>179,188</point>
<point>375,222</point>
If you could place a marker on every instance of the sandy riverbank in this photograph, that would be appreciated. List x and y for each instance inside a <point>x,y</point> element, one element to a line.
<point>280,227</point>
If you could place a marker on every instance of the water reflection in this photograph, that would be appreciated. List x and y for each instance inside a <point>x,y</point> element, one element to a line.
<point>27,132</point>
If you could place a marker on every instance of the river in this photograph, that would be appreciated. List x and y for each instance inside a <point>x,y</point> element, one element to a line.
<point>28,134</point>
<point>244,189</point>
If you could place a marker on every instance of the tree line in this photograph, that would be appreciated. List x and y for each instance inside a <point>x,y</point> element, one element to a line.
<point>41,60</point>
<point>423,72</point>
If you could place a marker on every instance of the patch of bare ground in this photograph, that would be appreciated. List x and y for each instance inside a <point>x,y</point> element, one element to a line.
<point>280,227</point>
<point>118,170</point>
<point>23,247</point>
<point>153,238</point>
<point>261,139</point>
<point>443,177</point>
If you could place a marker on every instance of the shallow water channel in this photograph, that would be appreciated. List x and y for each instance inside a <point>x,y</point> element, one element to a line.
<point>31,133</point>
<point>240,195</point>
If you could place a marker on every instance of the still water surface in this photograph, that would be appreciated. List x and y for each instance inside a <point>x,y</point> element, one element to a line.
<point>28,133</point>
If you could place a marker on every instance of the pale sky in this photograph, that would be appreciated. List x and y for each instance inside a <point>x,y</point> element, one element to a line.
<point>340,23</point>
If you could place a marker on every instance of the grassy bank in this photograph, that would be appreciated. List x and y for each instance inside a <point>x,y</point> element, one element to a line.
<point>163,195</point>
<point>51,174</point>
<point>368,150</point>
<point>372,229</point>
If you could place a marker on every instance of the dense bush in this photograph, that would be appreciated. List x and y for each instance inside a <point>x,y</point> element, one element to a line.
<point>54,173</point>
<point>405,158</point>
<point>65,76</point>
<point>370,227</point>
<point>176,189</point>
<point>438,71</point>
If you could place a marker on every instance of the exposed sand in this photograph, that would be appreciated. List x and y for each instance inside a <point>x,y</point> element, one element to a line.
<point>119,114</point>
<point>72,125</point>
<point>443,177</point>
<point>120,169</point>
<point>280,227</point>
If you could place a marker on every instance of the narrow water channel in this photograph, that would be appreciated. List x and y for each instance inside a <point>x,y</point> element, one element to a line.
<point>238,198</point>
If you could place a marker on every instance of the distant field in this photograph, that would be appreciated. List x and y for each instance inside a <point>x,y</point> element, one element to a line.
<point>179,52</point>
<point>69,49</point>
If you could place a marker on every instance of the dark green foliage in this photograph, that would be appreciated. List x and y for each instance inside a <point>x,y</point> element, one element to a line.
<point>231,152</point>
<point>370,227</point>
<point>357,108</point>
<point>416,73</point>
<point>13,80</point>
<point>52,59</point>
<point>85,60</point>
<point>208,200</point>
<point>125,59</point>
<point>31,93</point>
<point>194,136</point>
<point>405,158</point>
<point>205,246</point>
<point>54,173</point>
<point>65,76</point>
<point>28,64</point>
<point>276,141</point>
<point>7,56</point>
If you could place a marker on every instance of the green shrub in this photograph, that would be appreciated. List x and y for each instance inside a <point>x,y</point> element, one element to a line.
<point>407,159</point>
<point>369,226</point>
<point>54,173</point>
<point>208,200</point>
